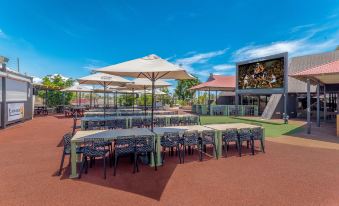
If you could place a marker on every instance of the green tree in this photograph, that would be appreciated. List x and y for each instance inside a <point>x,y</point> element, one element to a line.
<point>182,90</point>
<point>54,96</point>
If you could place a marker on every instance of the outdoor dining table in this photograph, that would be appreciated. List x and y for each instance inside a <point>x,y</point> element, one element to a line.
<point>115,110</point>
<point>130,118</point>
<point>108,135</point>
<point>127,113</point>
<point>222,127</point>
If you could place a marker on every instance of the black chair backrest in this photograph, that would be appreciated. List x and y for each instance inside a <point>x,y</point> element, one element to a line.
<point>144,141</point>
<point>244,133</point>
<point>231,133</point>
<point>67,141</point>
<point>208,135</point>
<point>125,141</point>
<point>257,132</point>
<point>191,136</point>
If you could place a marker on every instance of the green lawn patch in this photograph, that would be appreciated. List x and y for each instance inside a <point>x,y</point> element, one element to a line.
<point>272,129</point>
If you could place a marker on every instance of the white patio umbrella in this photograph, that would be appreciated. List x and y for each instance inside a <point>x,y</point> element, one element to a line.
<point>75,88</point>
<point>104,80</point>
<point>151,67</point>
<point>144,83</point>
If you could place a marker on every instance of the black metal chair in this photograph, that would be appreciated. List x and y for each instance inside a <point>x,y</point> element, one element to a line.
<point>93,125</point>
<point>123,146</point>
<point>190,139</point>
<point>120,123</point>
<point>175,121</point>
<point>230,135</point>
<point>75,126</point>
<point>258,134</point>
<point>244,134</point>
<point>137,122</point>
<point>208,138</point>
<point>145,145</point>
<point>160,122</point>
<point>67,150</point>
<point>169,141</point>
<point>93,148</point>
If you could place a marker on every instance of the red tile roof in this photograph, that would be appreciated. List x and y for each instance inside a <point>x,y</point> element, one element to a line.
<point>329,68</point>
<point>217,82</point>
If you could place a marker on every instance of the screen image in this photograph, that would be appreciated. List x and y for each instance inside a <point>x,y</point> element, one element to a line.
<point>268,74</point>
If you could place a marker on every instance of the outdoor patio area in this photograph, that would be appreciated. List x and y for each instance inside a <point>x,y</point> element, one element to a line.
<point>297,169</point>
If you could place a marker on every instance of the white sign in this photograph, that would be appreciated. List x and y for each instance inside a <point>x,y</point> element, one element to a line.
<point>15,111</point>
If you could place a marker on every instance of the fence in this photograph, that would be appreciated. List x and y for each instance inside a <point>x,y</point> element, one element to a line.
<point>226,110</point>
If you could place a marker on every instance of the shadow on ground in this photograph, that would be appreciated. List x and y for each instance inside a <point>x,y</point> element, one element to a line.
<point>147,182</point>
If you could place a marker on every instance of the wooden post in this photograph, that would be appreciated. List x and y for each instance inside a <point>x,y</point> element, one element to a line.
<point>308,107</point>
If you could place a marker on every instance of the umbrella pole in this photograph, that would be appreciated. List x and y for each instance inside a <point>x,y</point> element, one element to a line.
<point>90,100</point>
<point>145,99</point>
<point>104,99</point>
<point>133,100</point>
<point>152,116</point>
<point>116,99</point>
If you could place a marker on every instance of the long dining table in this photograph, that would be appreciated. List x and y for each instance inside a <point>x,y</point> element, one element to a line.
<point>129,119</point>
<point>127,113</point>
<point>158,132</point>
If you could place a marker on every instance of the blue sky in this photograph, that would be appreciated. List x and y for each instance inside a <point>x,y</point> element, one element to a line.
<point>73,37</point>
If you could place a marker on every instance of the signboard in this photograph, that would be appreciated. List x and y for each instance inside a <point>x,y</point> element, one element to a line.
<point>15,111</point>
<point>266,75</point>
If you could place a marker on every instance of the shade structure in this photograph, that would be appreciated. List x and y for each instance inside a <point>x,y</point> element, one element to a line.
<point>217,83</point>
<point>104,80</point>
<point>156,92</point>
<point>326,73</point>
<point>144,83</point>
<point>145,67</point>
<point>151,67</point>
<point>77,88</point>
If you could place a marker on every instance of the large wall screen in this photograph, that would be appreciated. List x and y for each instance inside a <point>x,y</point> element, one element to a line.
<point>264,75</point>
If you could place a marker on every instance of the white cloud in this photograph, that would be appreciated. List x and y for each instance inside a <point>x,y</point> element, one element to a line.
<point>224,67</point>
<point>253,51</point>
<point>200,58</point>
<point>93,64</point>
<point>300,27</point>
<point>315,39</point>
<point>2,34</point>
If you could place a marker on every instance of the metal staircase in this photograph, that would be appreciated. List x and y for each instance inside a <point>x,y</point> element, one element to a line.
<point>271,106</point>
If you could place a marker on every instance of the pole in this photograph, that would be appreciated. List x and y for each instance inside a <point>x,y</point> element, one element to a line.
<point>63,101</point>
<point>308,107</point>
<point>145,99</point>
<point>116,99</point>
<point>152,114</point>
<point>209,101</point>
<point>90,99</point>
<point>46,97</point>
<point>318,105</point>
<point>325,106</point>
<point>104,99</point>
<point>4,101</point>
<point>133,99</point>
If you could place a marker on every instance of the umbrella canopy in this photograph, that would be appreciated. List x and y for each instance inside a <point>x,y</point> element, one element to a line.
<point>144,83</point>
<point>103,79</point>
<point>145,67</point>
<point>156,92</point>
<point>77,88</point>
<point>151,67</point>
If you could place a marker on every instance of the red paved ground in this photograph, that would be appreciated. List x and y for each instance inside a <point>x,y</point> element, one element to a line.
<point>285,175</point>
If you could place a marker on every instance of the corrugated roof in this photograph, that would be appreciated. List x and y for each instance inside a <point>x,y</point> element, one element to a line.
<point>217,83</point>
<point>325,73</point>
<point>298,64</point>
